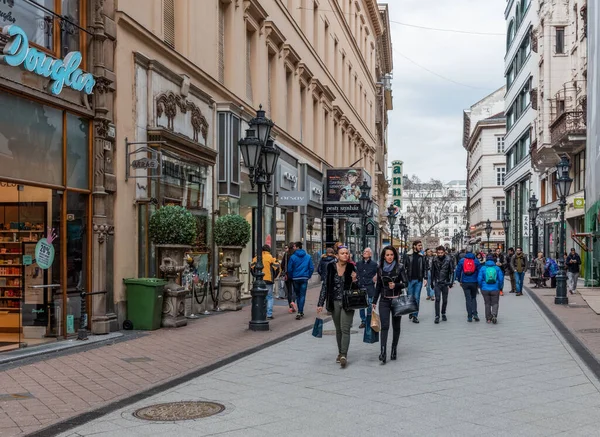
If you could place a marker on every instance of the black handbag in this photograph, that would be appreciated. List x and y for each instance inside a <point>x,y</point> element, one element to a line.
<point>355,299</point>
<point>403,305</point>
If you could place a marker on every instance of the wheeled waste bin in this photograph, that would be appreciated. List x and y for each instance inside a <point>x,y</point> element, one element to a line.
<point>144,303</point>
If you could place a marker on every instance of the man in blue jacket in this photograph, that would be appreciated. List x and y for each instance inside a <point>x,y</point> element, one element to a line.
<point>300,269</point>
<point>466,273</point>
<point>490,281</point>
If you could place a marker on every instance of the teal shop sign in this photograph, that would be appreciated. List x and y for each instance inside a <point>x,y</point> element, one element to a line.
<point>44,254</point>
<point>27,260</point>
<point>62,72</point>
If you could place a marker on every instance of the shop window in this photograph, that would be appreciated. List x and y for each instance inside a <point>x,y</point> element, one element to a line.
<point>78,130</point>
<point>38,20</point>
<point>33,146</point>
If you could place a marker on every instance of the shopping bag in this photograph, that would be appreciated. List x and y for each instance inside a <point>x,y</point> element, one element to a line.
<point>375,321</point>
<point>318,328</point>
<point>370,336</point>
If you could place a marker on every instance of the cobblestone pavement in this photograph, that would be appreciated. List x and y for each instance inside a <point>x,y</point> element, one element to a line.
<point>516,378</point>
<point>58,388</point>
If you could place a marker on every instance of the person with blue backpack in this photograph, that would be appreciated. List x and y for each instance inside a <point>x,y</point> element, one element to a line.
<point>466,273</point>
<point>490,279</point>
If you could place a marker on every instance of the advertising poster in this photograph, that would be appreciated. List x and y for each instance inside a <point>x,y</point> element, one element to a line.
<point>343,184</point>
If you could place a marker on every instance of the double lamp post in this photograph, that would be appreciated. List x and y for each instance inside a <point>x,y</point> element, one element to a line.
<point>260,157</point>
<point>563,186</point>
<point>402,227</point>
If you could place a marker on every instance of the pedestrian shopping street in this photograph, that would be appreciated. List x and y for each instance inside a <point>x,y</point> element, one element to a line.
<point>516,378</point>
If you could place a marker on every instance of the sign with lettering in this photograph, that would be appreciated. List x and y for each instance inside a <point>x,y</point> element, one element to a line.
<point>62,72</point>
<point>526,225</point>
<point>292,198</point>
<point>579,203</point>
<point>44,251</point>
<point>27,260</point>
<point>340,208</point>
<point>145,163</point>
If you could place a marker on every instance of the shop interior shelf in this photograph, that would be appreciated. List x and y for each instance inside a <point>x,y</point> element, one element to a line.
<point>22,230</point>
<point>10,286</point>
<point>10,309</point>
<point>14,276</point>
<point>10,242</point>
<point>10,265</point>
<point>12,253</point>
<point>12,297</point>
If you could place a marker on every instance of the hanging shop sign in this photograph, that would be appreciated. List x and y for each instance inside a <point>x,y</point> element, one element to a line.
<point>62,72</point>
<point>44,251</point>
<point>526,225</point>
<point>371,229</point>
<point>579,203</point>
<point>151,161</point>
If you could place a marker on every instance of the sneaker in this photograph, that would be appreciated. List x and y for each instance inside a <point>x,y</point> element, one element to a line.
<point>362,325</point>
<point>488,321</point>
<point>519,294</point>
<point>444,318</point>
<point>410,316</point>
<point>415,319</point>
<point>270,317</point>
<point>476,318</point>
<point>512,291</point>
<point>343,361</point>
<point>501,293</point>
<point>299,316</point>
<point>337,360</point>
<point>294,307</point>
<point>428,298</point>
<point>437,320</point>
<point>494,320</point>
<point>470,319</point>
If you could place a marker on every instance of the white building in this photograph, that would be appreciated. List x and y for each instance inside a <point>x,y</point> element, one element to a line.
<point>484,128</point>
<point>560,40</point>
<point>521,78</point>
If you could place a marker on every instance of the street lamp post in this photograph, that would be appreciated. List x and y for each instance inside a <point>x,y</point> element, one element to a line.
<point>365,206</point>
<point>533,212</point>
<point>310,223</point>
<point>403,236</point>
<point>488,231</point>
<point>260,157</point>
<point>391,221</point>
<point>506,226</point>
<point>563,186</point>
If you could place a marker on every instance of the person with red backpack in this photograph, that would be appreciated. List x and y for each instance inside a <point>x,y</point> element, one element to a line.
<point>466,274</point>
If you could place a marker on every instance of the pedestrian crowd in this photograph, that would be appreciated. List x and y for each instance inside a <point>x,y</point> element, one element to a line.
<point>396,275</point>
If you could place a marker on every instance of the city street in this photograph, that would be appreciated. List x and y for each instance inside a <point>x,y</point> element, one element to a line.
<point>517,378</point>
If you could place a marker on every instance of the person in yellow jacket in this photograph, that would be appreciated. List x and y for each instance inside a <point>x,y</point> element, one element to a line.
<point>271,272</point>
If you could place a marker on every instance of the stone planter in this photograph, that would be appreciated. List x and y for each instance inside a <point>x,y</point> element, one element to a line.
<point>173,312</point>
<point>173,251</point>
<point>230,294</point>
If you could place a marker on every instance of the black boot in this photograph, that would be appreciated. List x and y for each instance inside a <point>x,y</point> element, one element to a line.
<point>394,353</point>
<point>383,355</point>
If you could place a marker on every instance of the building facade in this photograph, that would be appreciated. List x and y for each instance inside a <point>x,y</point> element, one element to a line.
<point>560,99</point>
<point>198,73</point>
<point>521,70</point>
<point>484,131</point>
<point>57,174</point>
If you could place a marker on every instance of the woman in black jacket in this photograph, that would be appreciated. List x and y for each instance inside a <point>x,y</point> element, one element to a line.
<point>390,282</point>
<point>340,276</point>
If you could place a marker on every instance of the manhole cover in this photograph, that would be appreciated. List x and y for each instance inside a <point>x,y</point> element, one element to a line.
<point>589,331</point>
<point>332,332</point>
<point>173,411</point>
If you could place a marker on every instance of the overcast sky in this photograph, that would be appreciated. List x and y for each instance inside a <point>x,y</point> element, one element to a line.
<point>425,129</point>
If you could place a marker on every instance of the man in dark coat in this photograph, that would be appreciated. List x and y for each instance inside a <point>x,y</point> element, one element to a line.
<point>442,278</point>
<point>367,271</point>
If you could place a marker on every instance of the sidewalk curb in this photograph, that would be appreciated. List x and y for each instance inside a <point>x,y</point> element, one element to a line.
<point>581,349</point>
<point>75,421</point>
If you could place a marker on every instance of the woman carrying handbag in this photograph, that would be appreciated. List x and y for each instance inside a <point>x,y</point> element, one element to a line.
<point>340,277</point>
<point>390,282</point>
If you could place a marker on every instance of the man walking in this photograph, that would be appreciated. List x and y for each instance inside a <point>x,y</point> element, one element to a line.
<point>573,263</point>
<point>490,279</point>
<point>500,262</point>
<point>519,266</point>
<point>367,270</point>
<point>509,269</point>
<point>466,274</point>
<point>289,286</point>
<point>269,266</point>
<point>442,278</point>
<point>429,258</point>
<point>300,270</point>
<point>416,269</point>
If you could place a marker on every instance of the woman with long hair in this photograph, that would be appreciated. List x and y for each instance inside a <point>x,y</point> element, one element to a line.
<point>391,279</point>
<point>340,276</point>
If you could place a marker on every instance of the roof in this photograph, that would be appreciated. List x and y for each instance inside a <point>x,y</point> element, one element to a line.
<point>498,116</point>
<point>457,182</point>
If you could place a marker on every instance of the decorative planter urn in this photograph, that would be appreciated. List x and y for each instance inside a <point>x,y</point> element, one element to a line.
<point>230,293</point>
<point>175,252</point>
<point>173,312</point>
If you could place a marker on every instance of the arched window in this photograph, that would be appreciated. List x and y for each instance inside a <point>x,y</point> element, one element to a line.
<point>455,208</point>
<point>518,16</point>
<point>510,35</point>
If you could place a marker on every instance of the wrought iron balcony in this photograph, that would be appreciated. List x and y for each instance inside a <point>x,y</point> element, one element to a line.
<point>569,129</point>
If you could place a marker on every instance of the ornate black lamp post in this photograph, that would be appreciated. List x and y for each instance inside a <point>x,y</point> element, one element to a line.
<point>260,157</point>
<point>391,221</point>
<point>563,186</point>
<point>310,223</point>
<point>533,212</point>
<point>488,231</point>
<point>506,226</point>
<point>365,207</point>
<point>403,231</point>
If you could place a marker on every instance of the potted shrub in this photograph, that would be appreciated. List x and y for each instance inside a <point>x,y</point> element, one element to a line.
<point>231,234</point>
<point>173,231</point>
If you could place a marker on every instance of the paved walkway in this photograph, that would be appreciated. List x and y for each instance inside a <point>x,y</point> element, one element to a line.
<point>34,396</point>
<point>517,378</point>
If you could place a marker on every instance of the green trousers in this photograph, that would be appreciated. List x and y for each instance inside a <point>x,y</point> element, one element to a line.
<point>343,322</point>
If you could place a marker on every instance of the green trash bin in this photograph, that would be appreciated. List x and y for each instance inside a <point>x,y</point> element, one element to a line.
<point>144,303</point>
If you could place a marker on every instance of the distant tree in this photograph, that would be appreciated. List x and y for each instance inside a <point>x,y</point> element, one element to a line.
<point>427,204</point>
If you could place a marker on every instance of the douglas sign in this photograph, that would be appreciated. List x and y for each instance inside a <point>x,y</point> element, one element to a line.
<point>65,72</point>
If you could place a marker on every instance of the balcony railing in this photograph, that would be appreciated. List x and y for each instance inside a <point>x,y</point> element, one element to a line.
<point>568,127</point>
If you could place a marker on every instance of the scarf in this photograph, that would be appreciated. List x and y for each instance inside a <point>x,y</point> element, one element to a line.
<point>519,263</point>
<point>388,267</point>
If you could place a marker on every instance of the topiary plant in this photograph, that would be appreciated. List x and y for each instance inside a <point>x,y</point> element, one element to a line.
<point>172,225</point>
<point>231,230</point>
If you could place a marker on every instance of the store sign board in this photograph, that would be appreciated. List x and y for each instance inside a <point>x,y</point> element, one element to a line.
<point>371,229</point>
<point>579,203</point>
<point>342,185</point>
<point>292,198</point>
<point>340,208</point>
<point>44,254</point>
<point>27,260</point>
<point>62,72</point>
<point>145,163</point>
<point>526,225</point>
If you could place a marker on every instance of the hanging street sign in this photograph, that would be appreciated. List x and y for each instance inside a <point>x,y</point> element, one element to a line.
<point>579,203</point>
